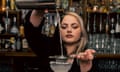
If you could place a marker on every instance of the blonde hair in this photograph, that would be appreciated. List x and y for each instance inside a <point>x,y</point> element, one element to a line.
<point>84,37</point>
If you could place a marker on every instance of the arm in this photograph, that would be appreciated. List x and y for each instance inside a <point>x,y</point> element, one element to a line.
<point>86,60</point>
<point>38,42</point>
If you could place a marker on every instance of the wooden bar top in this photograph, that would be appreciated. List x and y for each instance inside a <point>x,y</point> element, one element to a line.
<point>18,54</point>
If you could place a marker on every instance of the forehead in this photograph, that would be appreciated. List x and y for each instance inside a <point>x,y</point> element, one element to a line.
<point>69,18</point>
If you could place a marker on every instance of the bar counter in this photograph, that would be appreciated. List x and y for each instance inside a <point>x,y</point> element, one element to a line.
<point>32,54</point>
<point>19,61</point>
<point>18,54</point>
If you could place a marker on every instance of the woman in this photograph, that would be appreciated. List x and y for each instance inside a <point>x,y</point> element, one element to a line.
<point>74,39</point>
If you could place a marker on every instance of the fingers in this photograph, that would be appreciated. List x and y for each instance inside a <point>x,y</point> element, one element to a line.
<point>87,55</point>
<point>90,51</point>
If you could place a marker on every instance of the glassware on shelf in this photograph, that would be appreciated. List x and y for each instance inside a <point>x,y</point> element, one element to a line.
<point>88,23</point>
<point>7,24</point>
<point>100,26</point>
<point>117,27</point>
<point>1,28</point>
<point>94,24</point>
<point>107,26</point>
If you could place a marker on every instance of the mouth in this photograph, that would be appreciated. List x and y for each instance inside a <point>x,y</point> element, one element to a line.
<point>69,36</point>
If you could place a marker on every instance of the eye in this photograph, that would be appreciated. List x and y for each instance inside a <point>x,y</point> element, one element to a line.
<point>63,26</point>
<point>75,26</point>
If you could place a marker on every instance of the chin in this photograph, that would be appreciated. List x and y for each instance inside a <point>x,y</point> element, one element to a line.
<point>70,42</point>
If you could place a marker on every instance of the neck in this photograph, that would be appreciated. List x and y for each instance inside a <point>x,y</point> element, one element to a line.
<point>70,48</point>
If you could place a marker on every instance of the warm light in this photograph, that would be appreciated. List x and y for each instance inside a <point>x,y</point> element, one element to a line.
<point>3,8</point>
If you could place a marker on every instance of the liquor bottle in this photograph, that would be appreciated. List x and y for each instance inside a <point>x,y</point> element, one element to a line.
<point>3,5</point>
<point>95,6</point>
<point>18,43</point>
<point>7,4</point>
<point>25,45</point>
<point>52,26</point>
<point>112,27</point>
<point>13,43</point>
<point>103,8</point>
<point>65,4</point>
<point>21,30</point>
<point>46,26</point>
<point>111,6</point>
<point>14,28</point>
<point>24,42</point>
<point>112,30</point>
<point>12,4</point>
<point>58,3</point>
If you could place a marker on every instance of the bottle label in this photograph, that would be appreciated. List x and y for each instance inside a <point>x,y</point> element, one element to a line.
<point>24,43</point>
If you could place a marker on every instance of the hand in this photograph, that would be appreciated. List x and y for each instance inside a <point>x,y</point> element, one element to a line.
<point>86,55</point>
<point>36,17</point>
<point>86,59</point>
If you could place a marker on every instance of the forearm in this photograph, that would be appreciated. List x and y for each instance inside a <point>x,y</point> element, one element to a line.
<point>36,17</point>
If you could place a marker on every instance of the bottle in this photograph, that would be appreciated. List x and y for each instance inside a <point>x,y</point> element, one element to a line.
<point>14,28</point>
<point>21,30</point>
<point>58,3</point>
<point>65,4</point>
<point>52,26</point>
<point>12,4</point>
<point>95,6</point>
<point>25,45</point>
<point>112,30</point>
<point>7,4</point>
<point>3,5</point>
<point>103,7</point>
<point>24,42</point>
<point>13,42</point>
<point>46,27</point>
<point>18,43</point>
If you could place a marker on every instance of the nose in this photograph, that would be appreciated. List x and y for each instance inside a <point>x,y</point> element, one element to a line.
<point>69,29</point>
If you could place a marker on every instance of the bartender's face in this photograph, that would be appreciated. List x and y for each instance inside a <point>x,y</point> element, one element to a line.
<point>70,29</point>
